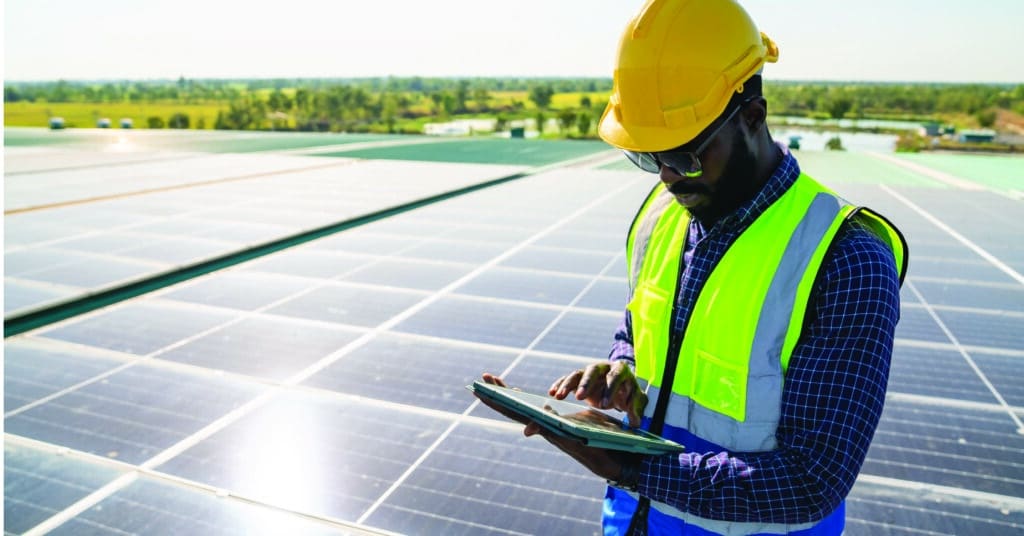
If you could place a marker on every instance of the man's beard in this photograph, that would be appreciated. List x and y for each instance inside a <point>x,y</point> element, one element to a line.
<point>737,185</point>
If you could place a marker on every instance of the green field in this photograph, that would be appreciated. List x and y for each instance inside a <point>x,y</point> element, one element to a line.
<point>84,115</point>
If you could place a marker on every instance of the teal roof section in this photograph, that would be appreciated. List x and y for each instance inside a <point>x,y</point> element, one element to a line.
<point>1002,173</point>
<point>483,151</point>
<point>849,167</point>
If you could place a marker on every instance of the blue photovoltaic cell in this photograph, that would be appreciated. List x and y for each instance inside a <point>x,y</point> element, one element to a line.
<point>525,286</point>
<point>94,272</point>
<point>575,262</point>
<point>592,241</point>
<point>268,347</point>
<point>30,232</point>
<point>149,506</point>
<point>1002,297</point>
<point>138,327</point>
<point>32,373</point>
<point>412,371</point>
<point>21,263</point>
<point>239,290</point>
<point>179,250</point>
<point>315,454</point>
<point>963,449</point>
<point>582,334</point>
<point>949,268</point>
<point>915,323</point>
<point>38,485</point>
<point>409,274</point>
<point>353,305</point>
<point>877,509</point>
<point>608,294</point>
<point>455,251</point>
<point>934,372</point>
<point>412,223</point>
<point>105,243</point>
<point>364,242</point>
<point>996,330</point>
<point>1005,373</point>
<point>493,234</point>
<point>307,262</point>
<point>479,321</point>
<point>133,414</point>
<point>18,296</point>
<point>484,481</point>
<point>907,296</point>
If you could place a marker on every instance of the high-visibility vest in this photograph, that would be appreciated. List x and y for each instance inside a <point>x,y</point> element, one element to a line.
<point>732,359</point>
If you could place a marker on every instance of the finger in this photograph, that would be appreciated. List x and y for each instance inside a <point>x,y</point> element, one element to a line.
<point>566,384</point>
<point>593,384</point>
<point>618,392</point>
<point>622,396</point>
<point>532,428</point>
<point>636,409</point>
<point>493,380</point>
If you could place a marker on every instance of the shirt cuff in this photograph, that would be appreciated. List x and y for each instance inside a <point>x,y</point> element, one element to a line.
<point>665,479</point>
<point>620,351</point>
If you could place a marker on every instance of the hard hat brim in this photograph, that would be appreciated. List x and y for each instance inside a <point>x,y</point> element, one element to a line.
<point>644,139</point>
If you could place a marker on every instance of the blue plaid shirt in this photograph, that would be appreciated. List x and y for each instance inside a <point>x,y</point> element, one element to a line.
<point>834,387</point>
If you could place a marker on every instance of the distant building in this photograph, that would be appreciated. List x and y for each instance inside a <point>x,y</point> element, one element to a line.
<point>930,129</point>
<point>103,122</point>
<point>460,127</point>
<point>977,136</point>
<point>126,122</point>
<point>56,123</point>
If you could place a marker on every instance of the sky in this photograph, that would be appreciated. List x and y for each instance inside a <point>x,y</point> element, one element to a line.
<point>867,40</point>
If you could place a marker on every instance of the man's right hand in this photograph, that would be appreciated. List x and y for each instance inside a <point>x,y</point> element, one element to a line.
<point>606,386</point>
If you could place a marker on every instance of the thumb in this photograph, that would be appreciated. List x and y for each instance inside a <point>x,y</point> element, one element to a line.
<point>636,409</point>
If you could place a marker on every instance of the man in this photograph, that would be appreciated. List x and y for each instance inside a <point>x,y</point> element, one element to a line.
<point>762,307</point>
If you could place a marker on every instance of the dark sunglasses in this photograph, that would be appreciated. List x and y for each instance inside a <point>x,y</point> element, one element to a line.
<point>684,162</point>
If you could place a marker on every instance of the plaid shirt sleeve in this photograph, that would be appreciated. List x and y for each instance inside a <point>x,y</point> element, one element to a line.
<point>622,347</point>
<point>832,400</point>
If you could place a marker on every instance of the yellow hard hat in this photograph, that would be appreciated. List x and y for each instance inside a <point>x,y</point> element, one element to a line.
<point>679,63</point>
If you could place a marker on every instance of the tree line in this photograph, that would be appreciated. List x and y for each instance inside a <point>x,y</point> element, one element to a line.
<point>393,104</point>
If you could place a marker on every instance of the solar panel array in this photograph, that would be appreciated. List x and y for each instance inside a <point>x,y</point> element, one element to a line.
<point>321,389</point>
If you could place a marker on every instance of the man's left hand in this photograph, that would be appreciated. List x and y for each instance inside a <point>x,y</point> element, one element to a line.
<point>604,463</point>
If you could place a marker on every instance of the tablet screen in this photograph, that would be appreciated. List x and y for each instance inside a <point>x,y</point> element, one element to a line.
<point>590,425</point>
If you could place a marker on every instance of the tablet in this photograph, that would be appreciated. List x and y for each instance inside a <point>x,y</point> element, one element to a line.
<point>588,425</point>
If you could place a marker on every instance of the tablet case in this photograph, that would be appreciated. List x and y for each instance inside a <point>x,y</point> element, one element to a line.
<point>592,427</point>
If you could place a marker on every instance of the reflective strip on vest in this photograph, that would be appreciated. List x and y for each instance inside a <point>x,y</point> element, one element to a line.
<point>725,528</point>
<point>723,364</point>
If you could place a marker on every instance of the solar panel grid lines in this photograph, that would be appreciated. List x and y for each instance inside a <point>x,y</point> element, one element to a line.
<point>17,446</point>
<point>947,449</point>
<point>285,218</point>
<point>262,399</point>
<point>949,230</point>
<point>505,372</point>
<point>970,361</point>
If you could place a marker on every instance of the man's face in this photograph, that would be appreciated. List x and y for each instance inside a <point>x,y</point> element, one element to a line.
<point>727,182</point>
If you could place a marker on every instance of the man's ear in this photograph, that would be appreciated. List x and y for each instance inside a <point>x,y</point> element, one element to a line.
<point>755,113</point>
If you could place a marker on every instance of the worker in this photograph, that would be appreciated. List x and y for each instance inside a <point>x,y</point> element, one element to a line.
<point>762,306</point>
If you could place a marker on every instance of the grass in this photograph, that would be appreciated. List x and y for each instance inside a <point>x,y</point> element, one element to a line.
<point>84,115</point>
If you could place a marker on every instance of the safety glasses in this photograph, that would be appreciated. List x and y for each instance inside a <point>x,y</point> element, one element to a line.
<point>684,162</point>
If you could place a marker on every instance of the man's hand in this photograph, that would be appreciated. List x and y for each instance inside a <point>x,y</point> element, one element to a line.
<point>605,386</point>
<point>606,464</point>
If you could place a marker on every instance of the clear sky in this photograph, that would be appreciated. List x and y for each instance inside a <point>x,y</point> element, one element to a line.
<point>871,40</point>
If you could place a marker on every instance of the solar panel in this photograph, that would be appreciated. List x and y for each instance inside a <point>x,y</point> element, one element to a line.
<point>321,388</point>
